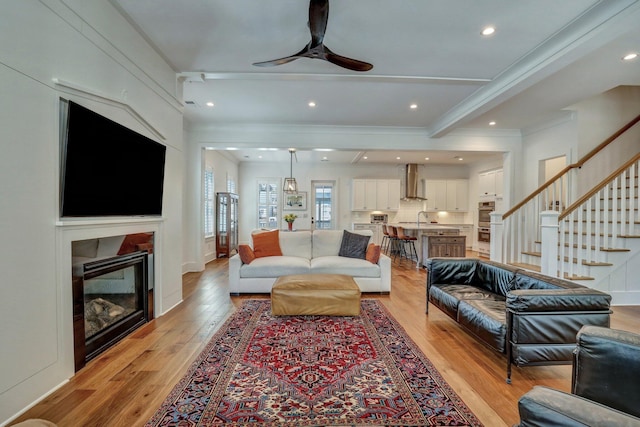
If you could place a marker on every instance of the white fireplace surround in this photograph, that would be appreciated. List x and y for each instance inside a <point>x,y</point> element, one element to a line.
<point>69,230</point>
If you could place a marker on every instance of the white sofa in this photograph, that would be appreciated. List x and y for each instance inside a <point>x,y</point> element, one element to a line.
<point>305,252</point>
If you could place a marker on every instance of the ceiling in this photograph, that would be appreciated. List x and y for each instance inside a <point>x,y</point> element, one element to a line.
<point>544,56</point>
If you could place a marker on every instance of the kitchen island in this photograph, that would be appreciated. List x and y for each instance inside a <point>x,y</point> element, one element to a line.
<point>435,240</point>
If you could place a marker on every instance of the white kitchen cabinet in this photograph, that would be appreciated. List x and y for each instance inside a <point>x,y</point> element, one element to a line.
<point>499,183</point>
<point>388,196</point>
<point>447,195</point>
<point>490,184</point>
<point>457,195</point>
<point>375,194</point>
<point>436,194</point>
<point>364,194</point>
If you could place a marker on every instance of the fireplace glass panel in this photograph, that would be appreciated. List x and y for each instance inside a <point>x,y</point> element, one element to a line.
<point>109,298</point>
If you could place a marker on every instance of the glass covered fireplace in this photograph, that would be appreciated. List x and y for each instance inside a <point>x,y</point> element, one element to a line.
<point>112,291</point>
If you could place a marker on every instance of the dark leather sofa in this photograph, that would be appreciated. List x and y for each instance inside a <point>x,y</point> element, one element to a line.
<point>604,388</point>
<point>530,317</point>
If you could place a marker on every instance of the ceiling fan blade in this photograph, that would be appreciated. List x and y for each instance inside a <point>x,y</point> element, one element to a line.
<point>275,62</point>
<point>344,62</point>
<point>304,52</point>
<point>318,18</point>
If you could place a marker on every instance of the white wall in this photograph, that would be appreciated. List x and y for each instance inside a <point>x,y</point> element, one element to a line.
<point>597,119</point>
<point>88,46</point>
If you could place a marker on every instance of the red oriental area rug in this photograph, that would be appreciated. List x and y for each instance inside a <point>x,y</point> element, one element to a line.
<point>261,370</point>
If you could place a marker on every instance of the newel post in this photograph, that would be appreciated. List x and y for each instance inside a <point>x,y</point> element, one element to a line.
<point>497,232</point>
<point>549,242</point>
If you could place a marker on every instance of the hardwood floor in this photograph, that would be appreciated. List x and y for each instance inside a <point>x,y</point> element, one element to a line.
<point>125,385</point>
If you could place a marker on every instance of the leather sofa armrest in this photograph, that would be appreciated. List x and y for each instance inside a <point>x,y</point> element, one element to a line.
<point>578,299</point>
<point>607,367</point>
<point>543,406</point>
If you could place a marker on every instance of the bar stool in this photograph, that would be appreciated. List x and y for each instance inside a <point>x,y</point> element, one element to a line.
<point>393,241</point>
<point>384,246</point>
<point>410,241</point>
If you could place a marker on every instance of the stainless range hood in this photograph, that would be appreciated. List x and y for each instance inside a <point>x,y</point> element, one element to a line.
<point>411,183</point>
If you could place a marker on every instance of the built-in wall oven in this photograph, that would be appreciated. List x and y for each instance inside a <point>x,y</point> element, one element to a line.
<point>484,227</point>
<point>484,211</point>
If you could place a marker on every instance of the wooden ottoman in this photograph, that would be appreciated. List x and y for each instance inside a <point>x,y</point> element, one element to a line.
<point>315,294</point>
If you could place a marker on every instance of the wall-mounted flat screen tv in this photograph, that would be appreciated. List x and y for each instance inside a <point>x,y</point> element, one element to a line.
<point>106,168</point>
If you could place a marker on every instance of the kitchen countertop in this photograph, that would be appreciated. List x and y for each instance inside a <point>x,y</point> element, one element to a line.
<point>424,226</point>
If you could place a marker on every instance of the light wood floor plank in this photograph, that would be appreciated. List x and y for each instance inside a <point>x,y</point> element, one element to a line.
<point>125,385</point>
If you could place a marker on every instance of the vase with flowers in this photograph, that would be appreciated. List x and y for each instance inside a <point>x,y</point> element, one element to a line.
<point>290,218</point>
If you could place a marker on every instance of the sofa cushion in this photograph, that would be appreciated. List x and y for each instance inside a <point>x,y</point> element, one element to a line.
<point>353,245</point>
<point>373,253</point>
<point>459,271</point>
<point>343,265</point>
<point>297,243</point>
<point>447,297</point>
<point>495,277</point>
<point>532,280</point>
<point>266,243</point>
<point>246,254</point>
<point>487,319</point>
<point>327,242</point>
<point>275,267</point>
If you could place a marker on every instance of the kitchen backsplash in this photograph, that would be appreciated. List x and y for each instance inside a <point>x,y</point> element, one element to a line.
<point>408,212</point>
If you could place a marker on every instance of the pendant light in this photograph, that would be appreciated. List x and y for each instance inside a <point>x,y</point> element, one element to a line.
<point>290,184</point>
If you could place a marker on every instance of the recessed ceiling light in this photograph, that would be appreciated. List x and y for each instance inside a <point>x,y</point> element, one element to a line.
<point>426,158</point>
<point>492,123</point>
<point>365,157</point>
<point>398,158</point>
<point>487,31</point>
<point>312,104</point>
<point>458,158</point>
<point>630,56</point>
<point>210,104</point>
<point>259,157</point>
<point>324,159</point>
<point>414,106</point>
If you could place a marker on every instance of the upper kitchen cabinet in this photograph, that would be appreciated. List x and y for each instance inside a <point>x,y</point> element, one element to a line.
<point>375,194</point>
<point>449,195</point>
<point>388,194</point>
<point>490,184</point>
<point>458,195</point>
<point>364,194</point>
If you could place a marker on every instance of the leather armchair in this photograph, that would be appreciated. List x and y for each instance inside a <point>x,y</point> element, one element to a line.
<point>605,388</point>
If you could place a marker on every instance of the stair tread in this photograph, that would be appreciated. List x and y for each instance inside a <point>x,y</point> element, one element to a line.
<point>574,277</point>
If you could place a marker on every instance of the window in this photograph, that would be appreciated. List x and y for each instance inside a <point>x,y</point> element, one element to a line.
<point>268,190</point>
<point>323,204</point>
<point>231,185</point>
<point>208,203</point>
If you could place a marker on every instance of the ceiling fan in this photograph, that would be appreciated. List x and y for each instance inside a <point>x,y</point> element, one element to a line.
<point>318,17</point>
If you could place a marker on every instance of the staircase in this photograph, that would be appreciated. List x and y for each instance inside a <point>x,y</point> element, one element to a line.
<point>595,237</point>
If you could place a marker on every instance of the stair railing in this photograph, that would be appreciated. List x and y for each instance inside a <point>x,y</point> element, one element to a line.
<point>594,224</point>
<point>520,227</point>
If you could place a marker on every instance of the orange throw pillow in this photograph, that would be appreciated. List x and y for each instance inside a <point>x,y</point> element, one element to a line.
<point>373,253</point>
<point>246,254</point>
<point>267,244</point>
